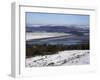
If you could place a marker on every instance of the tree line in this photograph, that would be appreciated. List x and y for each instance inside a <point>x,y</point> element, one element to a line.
<point>48,49</point>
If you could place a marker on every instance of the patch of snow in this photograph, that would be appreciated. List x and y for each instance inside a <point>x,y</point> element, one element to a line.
<point>38,35</point>
<point>68,57</point>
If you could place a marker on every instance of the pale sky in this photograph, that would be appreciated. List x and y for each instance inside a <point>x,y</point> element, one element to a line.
<point>58,19</point>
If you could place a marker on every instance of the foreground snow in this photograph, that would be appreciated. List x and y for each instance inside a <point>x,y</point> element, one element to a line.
<point>71,57</point>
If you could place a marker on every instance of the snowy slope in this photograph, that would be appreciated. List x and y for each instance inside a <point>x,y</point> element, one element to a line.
<point>70,57</point>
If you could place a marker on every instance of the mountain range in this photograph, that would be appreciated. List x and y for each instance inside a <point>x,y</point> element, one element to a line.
<point>58,28</point>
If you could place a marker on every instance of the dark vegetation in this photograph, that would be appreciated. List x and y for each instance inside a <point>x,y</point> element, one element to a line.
<point>47,49</point>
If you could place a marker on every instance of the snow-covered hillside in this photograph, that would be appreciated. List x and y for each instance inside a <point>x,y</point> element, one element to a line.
<point>69,57</point>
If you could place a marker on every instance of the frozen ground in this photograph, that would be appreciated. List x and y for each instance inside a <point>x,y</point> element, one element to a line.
<point>38,35</point>
<point>70,57</point>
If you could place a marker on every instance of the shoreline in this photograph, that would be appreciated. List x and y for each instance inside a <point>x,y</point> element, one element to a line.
<point>39,35</point>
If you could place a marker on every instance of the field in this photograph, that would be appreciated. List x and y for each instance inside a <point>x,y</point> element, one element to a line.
<point>37,35</point>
